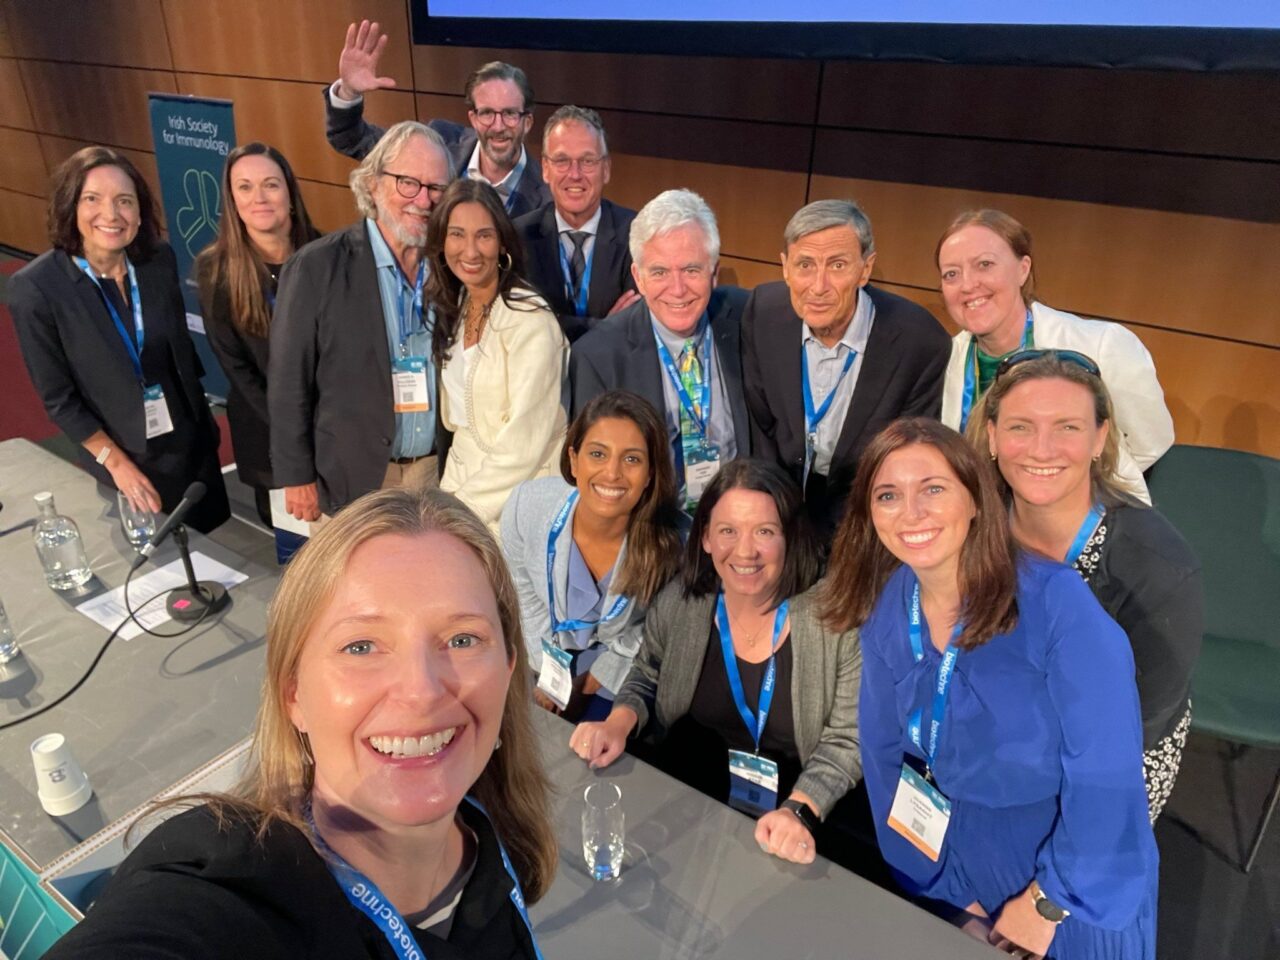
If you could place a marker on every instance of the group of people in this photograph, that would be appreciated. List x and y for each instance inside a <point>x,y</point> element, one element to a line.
<point>782,541</point>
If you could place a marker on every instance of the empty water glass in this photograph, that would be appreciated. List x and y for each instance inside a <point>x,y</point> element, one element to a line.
<point>139,524</point>
<point>603,830</point>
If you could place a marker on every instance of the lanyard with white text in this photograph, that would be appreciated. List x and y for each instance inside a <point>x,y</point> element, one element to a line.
<point>704,395</point>
<point>943,686</point>
<point>1085,533</point>
<point>812,417</point>
<point>580,297</point>
<point>571,626</point>
<point>135,349</point>
<point>755,725</point>
<point>970,396</point>
<point>369,900</point>
<point>407,317</point>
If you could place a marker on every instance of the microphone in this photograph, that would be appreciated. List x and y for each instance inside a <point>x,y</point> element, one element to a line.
<point>190,498</point>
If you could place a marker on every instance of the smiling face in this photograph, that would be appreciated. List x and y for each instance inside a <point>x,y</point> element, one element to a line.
<point>920,509</point>
<point>611,467</point>
<point>676,276</point>
<point>746,544</point>
<point>471,246</point>
<point>500,142</point>
<point>575,189</point>
<point>107,212</point>
<point>400,689</point>
<point>824,271</point>
<point>1044,441</point>
<point>405,218</point>
<point>982,282</point>
<point>261,194</point>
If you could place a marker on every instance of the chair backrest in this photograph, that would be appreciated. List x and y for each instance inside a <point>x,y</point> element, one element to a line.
<point>1226,503</point>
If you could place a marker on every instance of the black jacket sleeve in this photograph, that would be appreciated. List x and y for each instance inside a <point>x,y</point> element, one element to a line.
<point>347,130</point>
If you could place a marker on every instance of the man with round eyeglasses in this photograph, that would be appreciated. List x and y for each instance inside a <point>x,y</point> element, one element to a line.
<point>499,108</point>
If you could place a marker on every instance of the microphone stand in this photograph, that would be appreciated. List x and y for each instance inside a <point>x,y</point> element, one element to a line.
<point>199,598</point>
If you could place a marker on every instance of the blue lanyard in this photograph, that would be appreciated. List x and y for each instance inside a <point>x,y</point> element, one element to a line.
<point>509,202</point>
<point>135,349</point>
<point>755,725</point>
<point>1087,530</point>
<point>406,323</point>
<point>369,900</point>
<point>571,626</point>
<point>704,395</point>
<point>970,396</point>
<point>814,417</point>
<point>946,670</point>
<point>580,299</point>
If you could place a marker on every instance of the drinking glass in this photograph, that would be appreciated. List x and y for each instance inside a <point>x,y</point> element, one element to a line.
<point>602,830</point>
<point>139,525</point>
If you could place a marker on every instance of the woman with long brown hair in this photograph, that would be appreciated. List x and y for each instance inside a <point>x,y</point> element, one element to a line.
<point>1001,742</point>
<point>608,530</point>
<point>395,800</point>
<point>265,222</point>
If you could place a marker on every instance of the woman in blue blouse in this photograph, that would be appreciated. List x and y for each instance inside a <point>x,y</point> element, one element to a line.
<point>1001,736</point>
<point>589,552</point>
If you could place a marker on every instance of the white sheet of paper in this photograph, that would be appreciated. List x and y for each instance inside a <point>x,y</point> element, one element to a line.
<point>282,520</point>
<point>108,609</point>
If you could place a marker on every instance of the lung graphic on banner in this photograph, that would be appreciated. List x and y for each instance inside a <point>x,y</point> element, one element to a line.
<point>192,137</point>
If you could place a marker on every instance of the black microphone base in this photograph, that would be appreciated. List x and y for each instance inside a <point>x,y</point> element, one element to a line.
<point>186,605</point>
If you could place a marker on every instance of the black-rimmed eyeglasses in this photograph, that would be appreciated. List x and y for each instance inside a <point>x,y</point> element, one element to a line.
<point>410,187</point>
<point>509,116</point>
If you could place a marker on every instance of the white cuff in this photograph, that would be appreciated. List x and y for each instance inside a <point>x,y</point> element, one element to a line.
<point>338,101</point>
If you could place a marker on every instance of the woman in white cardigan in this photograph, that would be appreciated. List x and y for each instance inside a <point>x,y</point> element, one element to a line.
<point>502,360</point>
<point>988,286</point>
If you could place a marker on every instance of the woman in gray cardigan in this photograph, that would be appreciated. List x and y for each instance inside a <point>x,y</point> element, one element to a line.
<point>738,668</point>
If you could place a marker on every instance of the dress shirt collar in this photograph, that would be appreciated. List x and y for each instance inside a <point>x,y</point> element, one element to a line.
<point>507,185</point>
<point>591,227</point>
<point>382,255</point>
<point>674,342</point>
<point>856,333</point>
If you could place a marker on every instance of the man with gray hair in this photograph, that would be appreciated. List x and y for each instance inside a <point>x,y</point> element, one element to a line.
<point>678,347</point>
<point>829,360</point>
<point>353,385</point>
<point>576,251</point>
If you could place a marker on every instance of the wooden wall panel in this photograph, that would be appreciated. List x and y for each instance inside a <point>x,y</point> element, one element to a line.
<point>747,273</point>
<point>331,207</point>
<point>1197,274</point>
<point>290,116</point>
<point>6,38</point>
<point>98,104</point>
<point>22,222</point>
<point>57,149</point>
<point>122,33</point>
<point>14,111</point>
<point>21,164</point>
<point>285,39</point>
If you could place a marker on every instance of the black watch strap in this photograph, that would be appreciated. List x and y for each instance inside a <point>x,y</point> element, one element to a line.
<point>804,813</point>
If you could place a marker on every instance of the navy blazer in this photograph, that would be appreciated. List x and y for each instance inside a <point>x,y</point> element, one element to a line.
<point>610,264</point>
<point>619,354</point>
<point>351,135</point>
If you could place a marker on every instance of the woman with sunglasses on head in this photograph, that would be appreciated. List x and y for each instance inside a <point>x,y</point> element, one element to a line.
<point>502,359</point>
<point>237,275</point>
<point>1001,740</point>
<point>988,285</point>
<point>755,698</point>
<point>590,551</point>
<point>1047,423</point>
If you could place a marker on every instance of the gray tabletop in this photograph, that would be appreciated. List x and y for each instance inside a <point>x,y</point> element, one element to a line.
<point>695,884</point>
<point>153,710</point>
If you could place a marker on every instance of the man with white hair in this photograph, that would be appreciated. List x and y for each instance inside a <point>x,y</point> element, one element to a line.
<point>353,385</point>
<point>678,347</point>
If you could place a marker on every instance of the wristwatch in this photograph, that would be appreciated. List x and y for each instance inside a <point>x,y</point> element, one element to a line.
<point>804,813</point>
<point>1046,907</point>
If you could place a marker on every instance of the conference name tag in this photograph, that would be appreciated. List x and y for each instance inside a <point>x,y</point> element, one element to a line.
<point>701,465</point>
<point>920,813</point>
<point>556,677</point>
<point>753,783</point>
<point>409,385</point>
<point>156,411</point>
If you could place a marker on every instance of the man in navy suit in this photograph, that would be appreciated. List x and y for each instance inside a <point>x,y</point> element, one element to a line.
<point>576,251</point>
<point>499,107</point>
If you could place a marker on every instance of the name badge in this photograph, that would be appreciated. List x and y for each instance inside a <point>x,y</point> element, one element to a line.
<point>157,411</point>
<point>753,783</point>
<point>701,464</point>
<point>556,677</point>
<point>409,385</point>
<point>920,813</point>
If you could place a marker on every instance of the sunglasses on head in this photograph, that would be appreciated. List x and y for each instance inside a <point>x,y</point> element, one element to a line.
<point>1085,363</point>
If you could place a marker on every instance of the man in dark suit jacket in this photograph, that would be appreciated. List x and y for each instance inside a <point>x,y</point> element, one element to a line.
<point>679,246</point>
<point>873,355</point>
<point>576,247</point>
<point>499,106</point>
<point>336,432</point>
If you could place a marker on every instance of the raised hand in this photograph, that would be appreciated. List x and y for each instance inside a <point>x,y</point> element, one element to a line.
<point>358,62</point>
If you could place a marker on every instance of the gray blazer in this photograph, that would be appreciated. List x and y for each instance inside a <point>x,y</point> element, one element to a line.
<point>826,673</point>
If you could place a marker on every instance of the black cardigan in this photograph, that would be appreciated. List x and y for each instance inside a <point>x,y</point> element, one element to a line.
<point>194,891</point>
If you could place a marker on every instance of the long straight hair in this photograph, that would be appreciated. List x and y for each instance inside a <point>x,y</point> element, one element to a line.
<point>861,564</point>
<point>232,261</point>
<point>653,529</point>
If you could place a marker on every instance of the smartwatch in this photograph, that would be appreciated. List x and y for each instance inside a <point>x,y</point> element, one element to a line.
<point>804,813</point>
<point>1046,907</point>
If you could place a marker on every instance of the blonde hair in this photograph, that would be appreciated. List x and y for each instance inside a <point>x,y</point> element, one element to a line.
<point>364,178</point>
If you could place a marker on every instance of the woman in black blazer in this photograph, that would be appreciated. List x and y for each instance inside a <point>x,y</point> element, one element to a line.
<point>103,331</point>
<point>265,222</point>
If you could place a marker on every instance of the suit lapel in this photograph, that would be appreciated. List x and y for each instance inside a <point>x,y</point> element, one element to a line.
<point>878,365</point>
<point>729,357</point>
<point>96,317</point>
<point>780,351</point>
<point>606,261</point>
<point>644,369</point>
<point>547,252</point>
<point>366,300</point>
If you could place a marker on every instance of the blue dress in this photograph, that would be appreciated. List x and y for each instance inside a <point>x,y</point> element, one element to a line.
<point>1040,752</point>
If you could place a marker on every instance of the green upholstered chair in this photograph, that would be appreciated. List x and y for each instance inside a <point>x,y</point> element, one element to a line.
<point>1226,503</point>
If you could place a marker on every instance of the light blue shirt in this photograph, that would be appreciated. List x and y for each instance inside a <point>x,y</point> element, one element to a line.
<point>825,364</point>
<point>415,432</point>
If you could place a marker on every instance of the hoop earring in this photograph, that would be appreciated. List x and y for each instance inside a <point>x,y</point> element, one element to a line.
<point>510,262</point>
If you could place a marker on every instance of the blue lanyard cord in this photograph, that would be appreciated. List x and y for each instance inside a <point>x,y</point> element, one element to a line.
<point>755,725</point>
<point>946,670</point>
<point>704,395</point>
<point>369,900</point>
<point>406,317</point>
<point>580,298</point>
<point>1086,531</point>
<point>814,417</point>
<point>571,626</point>
<point>135,349</point>
<point>970,396</point>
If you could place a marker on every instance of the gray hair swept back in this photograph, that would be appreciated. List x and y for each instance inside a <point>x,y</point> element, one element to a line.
<point>825,214</point>
<point>571,114</point>
<point>363,177</point>
<point>669,211</point>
